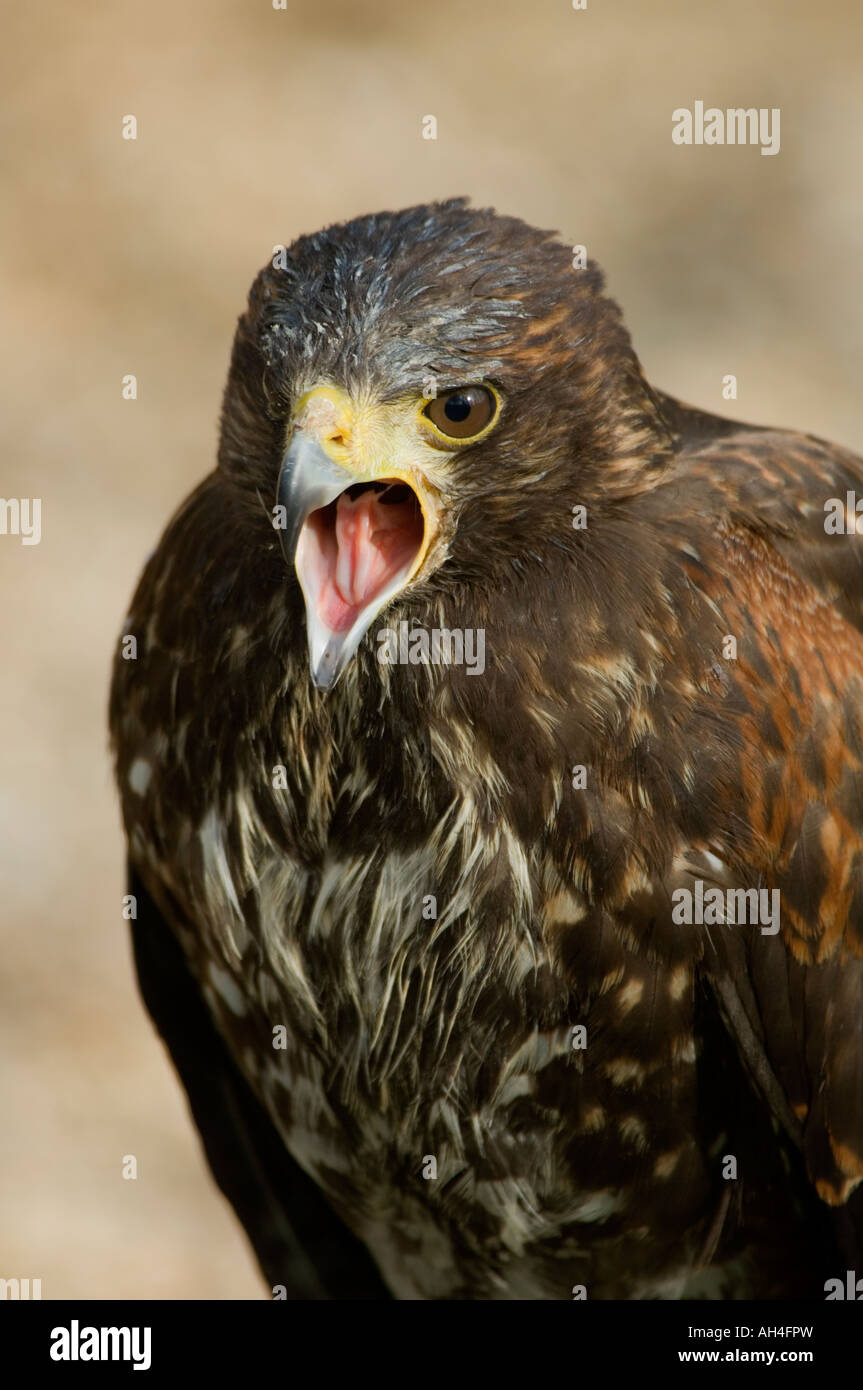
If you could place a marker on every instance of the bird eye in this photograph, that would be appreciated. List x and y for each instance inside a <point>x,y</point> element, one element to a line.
<point>462,412</point>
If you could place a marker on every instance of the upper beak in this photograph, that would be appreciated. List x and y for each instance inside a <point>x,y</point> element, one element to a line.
<point>358,538</point>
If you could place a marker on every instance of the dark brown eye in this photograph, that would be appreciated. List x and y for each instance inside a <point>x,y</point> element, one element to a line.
<point>462,412</point>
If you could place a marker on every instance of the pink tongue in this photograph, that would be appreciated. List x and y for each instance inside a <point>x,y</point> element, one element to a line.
<point>373,542</point>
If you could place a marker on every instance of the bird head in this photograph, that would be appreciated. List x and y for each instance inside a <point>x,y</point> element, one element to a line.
<point>422,397</point>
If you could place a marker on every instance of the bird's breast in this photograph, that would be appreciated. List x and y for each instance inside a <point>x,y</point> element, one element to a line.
<point>405,1019</point>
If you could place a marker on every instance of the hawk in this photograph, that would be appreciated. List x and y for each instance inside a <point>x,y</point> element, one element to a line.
<point>539,974</point>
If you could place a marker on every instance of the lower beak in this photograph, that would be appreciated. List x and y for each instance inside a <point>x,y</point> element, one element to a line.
<point>354,542</point>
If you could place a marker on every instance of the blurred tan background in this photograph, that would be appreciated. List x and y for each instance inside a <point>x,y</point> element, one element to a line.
<point>135,257</point>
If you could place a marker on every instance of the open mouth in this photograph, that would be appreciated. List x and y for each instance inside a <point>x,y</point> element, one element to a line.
<point>358,550</point>
<point>354,544</point>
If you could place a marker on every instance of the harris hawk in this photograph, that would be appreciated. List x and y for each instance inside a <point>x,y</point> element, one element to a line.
<point>413,927</point>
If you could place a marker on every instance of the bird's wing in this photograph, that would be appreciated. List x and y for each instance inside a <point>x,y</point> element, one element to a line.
<point>792,595</point>
<point>780,485</point>
<point>690,426</point>
<point>300,1242</point>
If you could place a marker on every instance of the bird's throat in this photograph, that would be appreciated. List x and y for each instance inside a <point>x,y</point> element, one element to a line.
<point>354,555</point>
<point>351,551</point>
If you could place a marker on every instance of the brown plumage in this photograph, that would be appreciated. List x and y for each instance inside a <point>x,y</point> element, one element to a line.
<point>377,902</point>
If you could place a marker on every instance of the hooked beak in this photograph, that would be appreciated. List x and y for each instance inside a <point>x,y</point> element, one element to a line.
<point>354,540</point>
